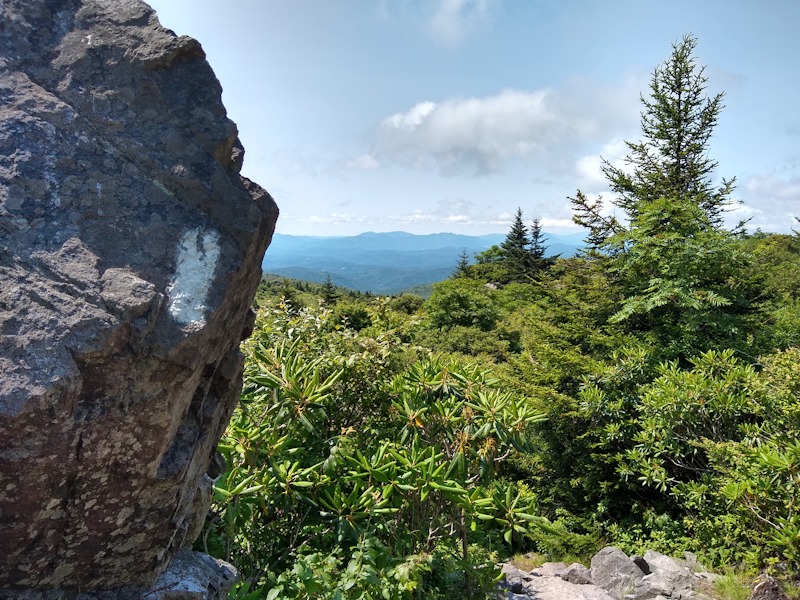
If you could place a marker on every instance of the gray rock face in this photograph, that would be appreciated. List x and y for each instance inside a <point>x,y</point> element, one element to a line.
<point>190,576</point>
<point>613,576</point>
<point>578,574</point>
<point>613,571</point>
<point>667,578</point>
<point>546,583</point>
<point>130,251</point>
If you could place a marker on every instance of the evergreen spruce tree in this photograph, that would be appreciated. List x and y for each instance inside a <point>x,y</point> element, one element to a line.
<point>329,292</point>
<point>538,248</point>
<point>517,238</point>
<point>462,267</point>
<point>672,159</point>
<point>673,258</point>
<point>516,249</point>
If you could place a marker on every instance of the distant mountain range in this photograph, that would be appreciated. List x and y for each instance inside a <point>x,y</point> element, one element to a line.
<point>386,263</point>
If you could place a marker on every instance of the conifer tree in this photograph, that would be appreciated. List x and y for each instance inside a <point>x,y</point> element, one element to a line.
<point>462,267</point>
<point>677,123</point>
<point>517,238</point>
<point>673,258</point>
<point>516,249</point>
<point>672,159</point>
<point>329,292</point>
<point>538,248</point>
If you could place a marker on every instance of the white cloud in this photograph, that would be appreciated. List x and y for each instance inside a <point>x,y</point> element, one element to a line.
<point>452,21</point>
<point>589,168</point>
<point>772,201</point>
<point>774,188</point>
<point>482,135</point>
<point>335,218</point>
<point>415,216</point>
<point>457,213</point>
<point>365,162</point>
<point>454,211</point>
<point>410,120</point>
<point>547,224</point>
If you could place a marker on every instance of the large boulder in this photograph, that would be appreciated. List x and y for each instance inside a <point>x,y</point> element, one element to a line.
<point>666,577</point>
<point>613,571</point>
<point>130,251</point>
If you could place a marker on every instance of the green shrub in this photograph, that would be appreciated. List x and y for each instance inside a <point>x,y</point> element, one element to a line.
<point>352,460</point>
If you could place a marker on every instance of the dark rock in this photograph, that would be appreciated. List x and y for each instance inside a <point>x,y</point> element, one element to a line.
<point>767,588</point>
<point>130,251</point>
<point>641,563</point>
<point>190,576</point>
<point>515,580</point>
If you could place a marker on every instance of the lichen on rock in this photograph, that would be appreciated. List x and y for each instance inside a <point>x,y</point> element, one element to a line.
<point>130,251</point>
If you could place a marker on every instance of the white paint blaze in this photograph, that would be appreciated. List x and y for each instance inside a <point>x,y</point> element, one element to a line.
<point>198,253</point>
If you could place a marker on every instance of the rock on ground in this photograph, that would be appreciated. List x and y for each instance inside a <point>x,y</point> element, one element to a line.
<point>613,576</point>
<point>613,571</point>
<point>130,251</point>
<point>577,573</point>
<point>190,576</point>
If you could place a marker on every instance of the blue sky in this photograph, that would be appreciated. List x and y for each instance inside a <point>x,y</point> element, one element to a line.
<point>446,115</point>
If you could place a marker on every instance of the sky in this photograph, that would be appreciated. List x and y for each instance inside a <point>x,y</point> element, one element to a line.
<point>429,116</point>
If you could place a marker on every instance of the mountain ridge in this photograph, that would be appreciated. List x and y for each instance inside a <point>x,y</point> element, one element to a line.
<point>386,263</point>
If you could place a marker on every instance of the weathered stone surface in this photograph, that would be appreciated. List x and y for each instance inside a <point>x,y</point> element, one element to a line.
<point>130,250</point>
<point>550,588</point>
<point>576,573</point>
<point>613,571</point>
<point>692,563</point>
<point>667,578</point>
<point>613,576</point>
<point>514,579</point>
<point>550,569</point>
<point>189,576</point>
<point>194,576</point>
<point>546,584</point>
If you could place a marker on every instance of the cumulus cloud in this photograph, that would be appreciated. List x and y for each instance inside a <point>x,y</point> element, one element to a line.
<point>482,135</point>
<point>452,21</point>
<point>772,201</point>
<point>589,168</point>
<point>548,223</point>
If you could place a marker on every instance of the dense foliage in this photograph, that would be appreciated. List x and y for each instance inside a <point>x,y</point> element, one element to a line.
<point>644,394</point>
<point>357,462</point>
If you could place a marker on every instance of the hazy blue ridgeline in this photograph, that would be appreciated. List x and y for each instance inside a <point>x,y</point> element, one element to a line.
<point>386,263</point>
